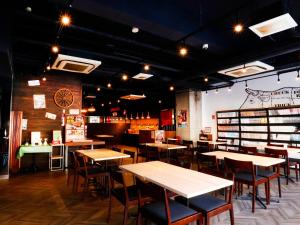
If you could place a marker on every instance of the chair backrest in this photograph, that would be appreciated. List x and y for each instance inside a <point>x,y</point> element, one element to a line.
<point>205,162</point>
<point>116,149</point>
<point>292,146</point>
<point>279,153</point>
<point>118,176</point>
<point>202,146</point>
<point>81,162</point>
<point>236,166</point>
<point>155,192</point>
<point>188,143</point>
<point>248,150</point>
<point>142,149</point>
<point>152,153</point>
<point>277,145</point>
<point>131,153</point>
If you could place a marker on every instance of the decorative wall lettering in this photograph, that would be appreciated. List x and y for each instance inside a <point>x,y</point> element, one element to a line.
<point>285,96</point>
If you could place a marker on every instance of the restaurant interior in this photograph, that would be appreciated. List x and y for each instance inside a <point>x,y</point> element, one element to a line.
<point>150,112</point>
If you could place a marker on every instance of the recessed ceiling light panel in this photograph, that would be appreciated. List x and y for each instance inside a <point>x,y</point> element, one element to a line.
<point>247,69</point>
<point>274,25</point>
<point>142,76</point>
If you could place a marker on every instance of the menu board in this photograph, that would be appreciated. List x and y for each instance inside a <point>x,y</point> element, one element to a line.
<point>75,128</point>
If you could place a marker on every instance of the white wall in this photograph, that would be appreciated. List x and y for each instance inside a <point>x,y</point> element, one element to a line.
<point>195,113</point>
<point>182,103</point>
<point>225,100</point>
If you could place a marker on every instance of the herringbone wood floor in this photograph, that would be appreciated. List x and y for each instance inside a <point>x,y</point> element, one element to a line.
<point>44,198</point>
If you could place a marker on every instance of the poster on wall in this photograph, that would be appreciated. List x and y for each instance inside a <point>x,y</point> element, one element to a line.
<point>159,136</point>
<point>182,118</point>
<point>50,116</point>
<point>39,102</point>
<point>24,124</point>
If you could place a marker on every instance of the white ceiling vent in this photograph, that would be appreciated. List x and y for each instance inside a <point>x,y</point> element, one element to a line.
<point>247,69</point>
<point>274,25</point>
<point>75,64</point>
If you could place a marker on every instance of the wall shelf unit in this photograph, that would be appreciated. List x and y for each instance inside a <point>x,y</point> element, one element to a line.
<point>259,126</point>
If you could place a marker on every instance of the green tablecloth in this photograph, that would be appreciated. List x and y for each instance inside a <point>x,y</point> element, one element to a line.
<point>33,149</point>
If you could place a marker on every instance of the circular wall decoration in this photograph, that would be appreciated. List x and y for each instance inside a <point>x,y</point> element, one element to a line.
<point>63,98</point>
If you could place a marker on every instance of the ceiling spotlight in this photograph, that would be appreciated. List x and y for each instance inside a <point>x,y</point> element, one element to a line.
<point>48,67</point>
<point>205,46</point>
<point>171,88</point>
<point>98,89</point>
<point>183,51</point>
<point>298,76</point>
<point>206,92</point>
<point>238,28</point>
<point>109,103</point>
<point>146,67</point>
<point>65,20</point>
<point>109,85</point>
<point>118,101</point>
<point>28,9</point>
<point>206,79</point>
<point>159,101</point>
<point>217,91</point>
<point>278,79</point>
<point>135,30</point>
<point>44,79</point>
<point>124,77</point>
<point>229,89</point>
<point>55,49</point>
<point>246,84</point>
<point>102,104</point>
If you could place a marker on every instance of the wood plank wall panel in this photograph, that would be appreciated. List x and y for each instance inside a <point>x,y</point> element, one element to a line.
<point>23,101</point>
<point>116,129</point>
<point>15,136</point>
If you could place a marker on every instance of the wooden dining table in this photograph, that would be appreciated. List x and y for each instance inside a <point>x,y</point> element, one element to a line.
<point>102,154</point>
<point>185,182</point>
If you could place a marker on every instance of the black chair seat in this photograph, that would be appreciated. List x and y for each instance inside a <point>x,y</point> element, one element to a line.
<point>119,193</point>
<point>156,211</point>
<point>265,173</point>
<point>245,176</point>
<point>204,203</point>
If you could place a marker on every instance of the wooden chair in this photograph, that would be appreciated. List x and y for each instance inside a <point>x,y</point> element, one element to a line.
<point>141,152</point>
<point>162,210</point>
<point>283,153</point>
<point>209,205</point>
<point>152,154</point>
<point>116,149</point>
<point>126,195</point>
<point>90,172</point>
<point>270,174</point>
<point>206,162</point>
<point>72,169</point>
<point>248,150</point>
<point>202,146</point>
<point>131,153</point>
<point>244,173</point>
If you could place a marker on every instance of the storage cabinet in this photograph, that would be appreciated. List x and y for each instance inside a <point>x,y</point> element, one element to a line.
<point>259,126</point>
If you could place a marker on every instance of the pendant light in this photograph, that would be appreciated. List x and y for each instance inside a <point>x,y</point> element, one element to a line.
<point>298,76</point>
<point>137,116</point>
<point>142,117</point>
<point>131,117</point>
<point>148,116</point>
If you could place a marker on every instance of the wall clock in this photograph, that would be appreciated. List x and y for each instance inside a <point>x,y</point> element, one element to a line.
<point>63,98</point>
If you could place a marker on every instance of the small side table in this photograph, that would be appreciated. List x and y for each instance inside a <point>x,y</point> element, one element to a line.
<point>33,149</point>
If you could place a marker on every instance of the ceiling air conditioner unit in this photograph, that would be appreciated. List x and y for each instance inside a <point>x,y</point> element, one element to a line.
<point>75,64</point>
<point>247,69</point>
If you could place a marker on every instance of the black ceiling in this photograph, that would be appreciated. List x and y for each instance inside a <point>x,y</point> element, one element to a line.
<point>101,30</point>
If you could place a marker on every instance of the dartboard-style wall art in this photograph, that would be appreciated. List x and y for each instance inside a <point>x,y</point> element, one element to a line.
<point>63,98</point>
